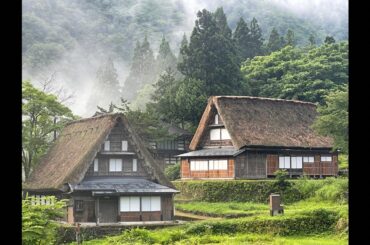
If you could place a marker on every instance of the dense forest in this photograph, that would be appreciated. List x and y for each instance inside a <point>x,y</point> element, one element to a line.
<point>72,40</point>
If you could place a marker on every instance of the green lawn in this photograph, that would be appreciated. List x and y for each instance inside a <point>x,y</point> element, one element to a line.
<point>260,228</point>
<point>224,209</point>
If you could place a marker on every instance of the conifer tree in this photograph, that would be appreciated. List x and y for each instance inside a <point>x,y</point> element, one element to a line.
<point>211,57</point>
<point>165,58</point>
<point>142,70</point>
<point>242,39</point>
<point>312,40</point>
<point>290,39</point>
<point>329,40</point>
<point>274,42</point>
<point>256,38</point>
<point>221,22</point>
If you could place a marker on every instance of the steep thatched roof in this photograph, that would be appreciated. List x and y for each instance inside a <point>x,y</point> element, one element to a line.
<point>71,154</point>
<point>256,121</point>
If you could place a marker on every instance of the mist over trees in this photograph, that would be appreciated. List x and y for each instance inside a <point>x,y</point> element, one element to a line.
<point>73,38</point>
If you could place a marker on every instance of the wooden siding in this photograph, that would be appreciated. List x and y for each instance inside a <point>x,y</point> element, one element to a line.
<point>206,138</point>
<point>88,212</point>
<point>186,173</point>
<point>317,168</point>
<point>166,213</point>
<point>103,169</point>
<point>250,166</point>
<point>206,141</point>
<point>116,136</point>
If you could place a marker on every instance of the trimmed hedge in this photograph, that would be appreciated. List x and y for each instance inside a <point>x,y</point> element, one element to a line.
<point>259,190</point>
<point>312,222</point>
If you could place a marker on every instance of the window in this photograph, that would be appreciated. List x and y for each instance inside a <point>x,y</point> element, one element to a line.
<point>308,159</point>
<point>134,165</point>
<point>219,134</point>
<point>225,134</point>
<point>284,162</point>
<point>124,145</point>
<point>106,145</point>
<point>296,162</point>
<point>217,164</point>
<point>152,203</point>
<point>96,165</point>
<point>79,205</point>
<point>130,204</point>
<point>115,165</point>
<point>215,134</point>
<point>196,165</point>
<point>216,119</point>
<point>204,165</point>
<point>326,158</point>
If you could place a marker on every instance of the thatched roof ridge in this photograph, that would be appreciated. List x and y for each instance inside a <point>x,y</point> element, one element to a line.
<point>263,121</point>
<point>70,156</point>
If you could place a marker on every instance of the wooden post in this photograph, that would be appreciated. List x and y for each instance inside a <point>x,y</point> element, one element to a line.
<point>98,212</point>
<point>78,234</point>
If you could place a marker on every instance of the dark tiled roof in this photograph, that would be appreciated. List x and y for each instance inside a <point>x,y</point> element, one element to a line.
<point>122,185</point>
<point>211,152</point>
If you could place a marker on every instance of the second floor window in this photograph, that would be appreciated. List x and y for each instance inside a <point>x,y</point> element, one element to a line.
<point>96,165</point>
<point>216,119</point>
<point>107,145</point>
<point>326,159</point>
<point>124,145</point>
<point>219,134</point>
<point>115,165</point>
<point>134,165</point>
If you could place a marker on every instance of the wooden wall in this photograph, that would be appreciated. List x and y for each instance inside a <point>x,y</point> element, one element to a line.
<point>186,173</point>
<point>250,165</point>
<point>313,169</point>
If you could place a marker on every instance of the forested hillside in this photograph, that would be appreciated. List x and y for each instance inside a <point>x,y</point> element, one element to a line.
<point>74,39</point>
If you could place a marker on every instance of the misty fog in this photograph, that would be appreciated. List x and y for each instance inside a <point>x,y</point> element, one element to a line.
<point>82,34</point>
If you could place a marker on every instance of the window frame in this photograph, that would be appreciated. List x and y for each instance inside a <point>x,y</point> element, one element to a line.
<point>134,165</point>
<point>326,156</point>
<point>308,159</point>
<point>96,165</point>
<point>107,145</point>
<point>115,165</point>
<point>124,143</point>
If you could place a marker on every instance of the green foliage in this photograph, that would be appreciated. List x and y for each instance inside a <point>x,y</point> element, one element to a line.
<point>173,172</point>
<point>165,59</point>
<point>142,69</point>
<point>275,42</point>
<point>343,161</point>
<point>293,73</point>
<point>333,118</point>
<point>39,110</point>
<point>290,38</point>
<point>38,226</point>
<point>211,56</point>
<point>329,40</point>
<point>259,190</point>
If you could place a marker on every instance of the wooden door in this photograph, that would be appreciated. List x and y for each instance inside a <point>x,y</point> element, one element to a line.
<point>108,210</point>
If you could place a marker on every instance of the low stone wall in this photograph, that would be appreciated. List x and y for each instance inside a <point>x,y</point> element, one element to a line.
<point>67,234</point>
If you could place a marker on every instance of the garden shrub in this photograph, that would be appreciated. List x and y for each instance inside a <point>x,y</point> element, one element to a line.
<point>173,172</point>
<point>38,225</point>
<point>329,189</point>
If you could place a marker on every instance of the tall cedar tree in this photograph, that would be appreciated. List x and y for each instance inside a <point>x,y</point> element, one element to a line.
<point>243,40</point>
<point>290,39</point>
<point>107,88</point>
<point>221,22</point>
<point>142,70</point>
<point>312,40</point>
<point>256,38</point>
<point>275,42</point>
<point>165,59</point>
<point>212,57</point>
<point>183,47</point>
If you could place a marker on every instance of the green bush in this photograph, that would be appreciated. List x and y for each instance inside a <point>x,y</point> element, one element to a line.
<point>38,225</point>
<point>332,189</point>
<point>173,172</point>
<point>316,221</point>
